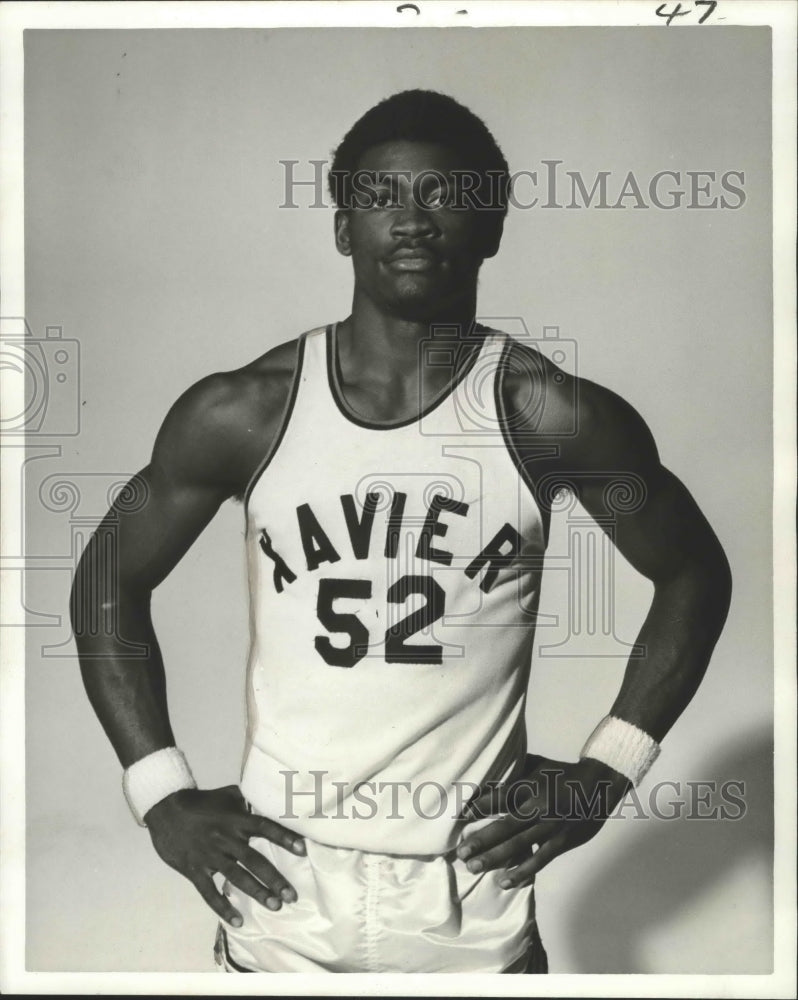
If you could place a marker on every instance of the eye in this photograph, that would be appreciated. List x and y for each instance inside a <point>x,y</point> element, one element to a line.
<point>385,199</point>
<point>438,198</point>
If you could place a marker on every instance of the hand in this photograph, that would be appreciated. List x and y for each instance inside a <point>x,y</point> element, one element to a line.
<point>199,833</point>
<point>554,806</point>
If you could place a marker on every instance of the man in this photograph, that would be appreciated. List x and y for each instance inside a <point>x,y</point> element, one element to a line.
<point>388,816</point>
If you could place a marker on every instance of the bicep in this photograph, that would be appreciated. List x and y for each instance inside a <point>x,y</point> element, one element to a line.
<point>164,507</point>
<point>203,454</point>
<point>648,512</point>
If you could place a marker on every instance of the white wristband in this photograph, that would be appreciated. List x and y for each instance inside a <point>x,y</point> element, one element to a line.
<point>153,778</point>
<point>623,747</point>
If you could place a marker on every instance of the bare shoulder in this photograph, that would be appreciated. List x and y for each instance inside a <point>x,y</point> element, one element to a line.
<point>584,425</point>
<point>217,432</point>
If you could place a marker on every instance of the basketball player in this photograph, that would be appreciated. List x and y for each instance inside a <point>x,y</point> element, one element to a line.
<point>388,816</point>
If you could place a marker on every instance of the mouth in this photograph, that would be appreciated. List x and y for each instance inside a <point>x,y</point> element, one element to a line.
<point>413,259</point>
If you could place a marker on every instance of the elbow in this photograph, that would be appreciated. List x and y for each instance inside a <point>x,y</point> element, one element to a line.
<point>86,604</point>
<point>700,588</point>
<point>101,594</point>
<point>718,577</point>
<point>711,583</point>
<point>77,597</point>
<point>725,580</point>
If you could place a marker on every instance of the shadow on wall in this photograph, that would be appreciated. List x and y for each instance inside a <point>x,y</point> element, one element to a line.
<point>670,869</point>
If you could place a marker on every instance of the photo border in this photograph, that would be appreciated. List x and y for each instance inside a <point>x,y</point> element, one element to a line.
<point>15,17</point>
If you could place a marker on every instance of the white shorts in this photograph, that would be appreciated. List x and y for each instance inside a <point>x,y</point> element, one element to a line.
<point>363,912</point>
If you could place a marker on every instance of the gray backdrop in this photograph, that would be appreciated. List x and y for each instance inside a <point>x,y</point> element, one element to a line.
<point>154,239</point>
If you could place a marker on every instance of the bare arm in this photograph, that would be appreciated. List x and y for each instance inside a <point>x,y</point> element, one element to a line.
<point>660,530</point>
<point>668,540</point>
<point>134,549</point>
<point>208,447</point>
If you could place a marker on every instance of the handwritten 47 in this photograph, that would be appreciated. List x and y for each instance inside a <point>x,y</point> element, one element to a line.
<point>678,12</point>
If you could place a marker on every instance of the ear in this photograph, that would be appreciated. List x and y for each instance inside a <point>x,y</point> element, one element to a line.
<point>493,237</point>
<point>342,233</point>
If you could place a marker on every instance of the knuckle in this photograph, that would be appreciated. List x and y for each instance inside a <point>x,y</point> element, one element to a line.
<point>272,877</point>
<point>514,852</point>
<point>277,882</point>
<point>527,809</point>
<point>195,873</point>
<point>516,855</point>
<point>206,890</point>
<point>234,873</point>
<point>490,859</point>
<point>256,861</point>
<point>218,834</point>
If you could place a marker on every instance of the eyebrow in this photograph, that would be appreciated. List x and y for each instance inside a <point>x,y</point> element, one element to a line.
<point>389,177</point>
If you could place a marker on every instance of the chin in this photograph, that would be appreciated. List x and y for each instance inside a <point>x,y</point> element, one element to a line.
<point>422,302</point>
<point>418,308</point>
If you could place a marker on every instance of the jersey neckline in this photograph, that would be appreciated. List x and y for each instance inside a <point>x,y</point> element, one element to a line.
<point>335,381</point>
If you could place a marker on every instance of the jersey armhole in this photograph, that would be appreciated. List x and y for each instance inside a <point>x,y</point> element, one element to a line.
<point>288,409</point>
<point>509,443</point>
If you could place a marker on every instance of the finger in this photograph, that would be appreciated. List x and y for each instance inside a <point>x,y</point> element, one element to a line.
<point>261,826</point>
<point>492,835</point>
<point>270,876</point>
<point>241,879</point>
<point>521,799</point>
<point>489,836</point>
<point>511,852</point>
<point>525,873</point>
<point>515,846</point>
<point>486,803</point>
<point>220,905</point>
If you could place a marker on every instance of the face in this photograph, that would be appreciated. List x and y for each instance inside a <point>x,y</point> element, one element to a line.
<point>415,253</point>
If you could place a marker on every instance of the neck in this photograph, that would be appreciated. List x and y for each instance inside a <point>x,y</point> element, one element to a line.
<point>391,343</point>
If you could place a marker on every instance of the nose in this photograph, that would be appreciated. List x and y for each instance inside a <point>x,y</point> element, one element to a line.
<point>413,220</point>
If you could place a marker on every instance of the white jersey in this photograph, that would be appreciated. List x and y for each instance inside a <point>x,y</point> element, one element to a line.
<point>394,578</point>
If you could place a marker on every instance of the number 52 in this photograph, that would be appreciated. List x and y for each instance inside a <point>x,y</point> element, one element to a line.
<point>348,623</point>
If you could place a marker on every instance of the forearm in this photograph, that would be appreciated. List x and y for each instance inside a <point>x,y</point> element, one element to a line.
<point>121,666</point>
<point>678,636</point>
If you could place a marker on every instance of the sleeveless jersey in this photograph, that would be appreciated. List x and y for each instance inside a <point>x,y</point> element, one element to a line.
<point>394,576</point>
